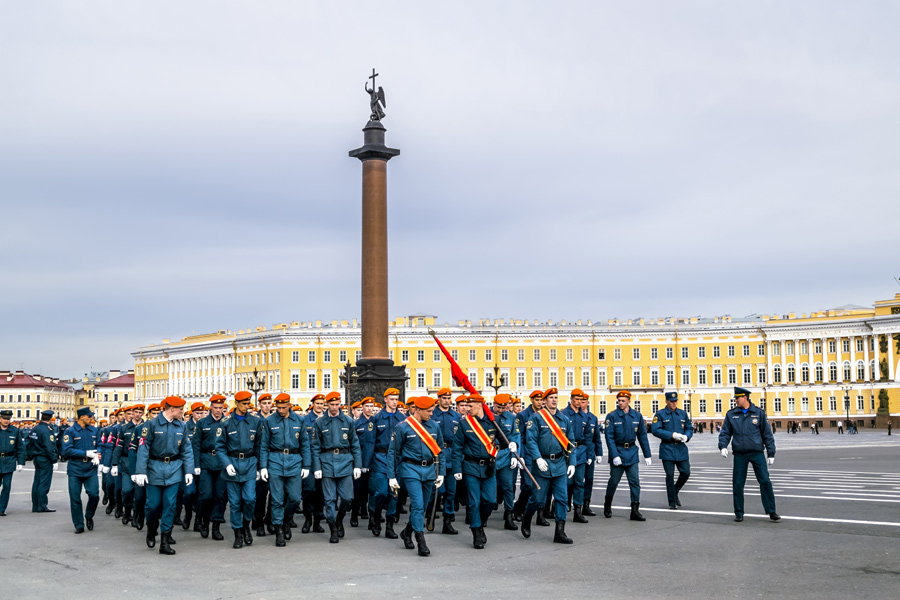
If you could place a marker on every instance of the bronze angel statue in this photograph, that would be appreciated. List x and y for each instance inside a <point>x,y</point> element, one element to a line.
<point>376,101</point>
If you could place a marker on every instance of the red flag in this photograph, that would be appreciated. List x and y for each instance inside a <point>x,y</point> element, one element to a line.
<point>461,379</point>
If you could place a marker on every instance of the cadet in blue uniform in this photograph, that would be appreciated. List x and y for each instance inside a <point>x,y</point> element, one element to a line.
<point>262,514</point>
<point>237,448</point>
<point>164,459</point>
<point>578,417</point>
<point>188,494</point>
<point>448,421</point>
<point>747,429</point>
<point>625,429</point>
<point>674,429</point>
<point>474,457</point>
<point>313,500</point>
<point>336,461</point>
<point>213,496</point>
<point>385,422</point>
<point>42,449</point>
<point>12,456</point>
<point>365,433</point>
<point>548,435</point>
<point>80,449</point>
<point>123,461</point>
<point>526,487</point>
<point>593,433</point>
<point>107,443</point>
<point>415,459</point>
<point>506,462</point>
<point>284,460</point>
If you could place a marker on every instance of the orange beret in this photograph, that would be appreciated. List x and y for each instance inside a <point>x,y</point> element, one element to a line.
<point>624,393</point>
<point>242,396</point>
<point>392,392</point>
<point>154,407</point>
<point>585,396</point>
<point>103,421</point>
<point>265,396</point>
<point>317,397</point>
<point>536,394</point>
<point>444,392</point>
<point>367,400</point>
<point>477,397</point>
<point>137,407</point>
<point>217,399</point>
<point>550,392</point>
<point>356,404</point>
<point>296,407</point>
<point>198,406</point>
<point>282,398</point>
<point>332,396</point>
<point>462,398</point>
<point>423,402</point>
<point>576,392</point>
<point>379,404</point>
<point>174,401</point>
<point>502,399</point>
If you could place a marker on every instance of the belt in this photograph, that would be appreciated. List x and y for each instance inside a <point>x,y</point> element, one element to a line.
<point>574,444</point>
<point>5,454</point>
<point>421,463</point>
<point>627,445</point>
<point>84,460</point>
<point>334,451</point>
<point>553,456</point>
<point>248,454</point>
<point>210,452</point>
<point>380,451</point>
<point>165,459</point>
<point>479,461</point>
<point>285,450</point>
<point>446,444</point>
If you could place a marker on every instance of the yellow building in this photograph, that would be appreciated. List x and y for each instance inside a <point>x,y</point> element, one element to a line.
<point>28,395</point>
<point>112,394</point>
<point>821,366</point>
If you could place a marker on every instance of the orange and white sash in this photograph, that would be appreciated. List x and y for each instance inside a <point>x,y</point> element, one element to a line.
<point>555,429</point>
<point>426,437</point>
<point>482,435</point>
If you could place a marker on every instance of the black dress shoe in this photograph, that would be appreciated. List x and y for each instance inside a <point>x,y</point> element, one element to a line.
<point>775,516</point>
<point>677,500</point>
<point>738,518</point>
<point>79,530</point>
<point>673,507</point>
<point>49,510</point>
<point>2,514</point>
<point>89,523</point>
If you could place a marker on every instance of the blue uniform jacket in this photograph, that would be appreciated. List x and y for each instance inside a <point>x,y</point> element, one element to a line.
<point>123,455</point>
<point>579,437</point>
<point>238,445</point>
<point>747,432</point>
<point>665,423</point>
<point>449,422</point>
<point>335,449</point>
<point>593,433</point>
<point>408,446</point>
<point>161,439</point>
<point>468,449</point>
<point>280,434</point>
<point>107,447</point>
<point>365,433</point>
<point>385,423</point>
<point>204,443</point>
<point>542,443</point>
<point>626,429</point>
<point>522,422</point>
<point>12,449</point>
<point>77,440</point>
<point>510,427</point>
<point>42,445</point>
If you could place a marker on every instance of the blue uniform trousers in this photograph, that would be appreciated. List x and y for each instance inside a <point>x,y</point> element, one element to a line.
<point>506,480</point>
<point>526,489</point>
<point>160,506</point>
<point>382,499</point>
<point>284,492</point>
<point>5,482</point>
<point>684,471</point>
<point>480,494</point>
<point>40,487</point>
<point>263,512</point>
<point>133,496</point>
<point>577,485</point>
<point>332,488</point>
<point>213,496</point>
<point>242,498</point>
<point>589,481</point>
<point>361,494</point>
<point>634,482</point>
<point>448,493</point>
<point>549,485</point>
<point>118,488</point>
<point>739,478</point>
<point>419,499</point>
<point>91,486</point>
<point>313,497</point>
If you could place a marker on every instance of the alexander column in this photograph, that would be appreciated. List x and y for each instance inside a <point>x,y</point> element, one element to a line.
<point>374,371</point>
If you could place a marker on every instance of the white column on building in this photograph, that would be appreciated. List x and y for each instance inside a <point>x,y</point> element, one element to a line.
<point>840,358</point>
<point>876,375</point>
<point>852,358</point>
<point>866,357</point>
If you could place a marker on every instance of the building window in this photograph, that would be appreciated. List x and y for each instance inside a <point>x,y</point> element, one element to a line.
<point>488,355</point>
<point>585,354</point>
<point>420,379</point>
<point>832,371</point>
<point>454,354</point>
<point>436,379</point>
<point>859,345</point>
<point>717,375</point>
<point>761,350</point>
<point>570,379</point>
<point>636,377</point>
<point>342,356</point>
<point>804,404</point>
<point>730,351</point>
<point>420,356</point>
<point>819,403</point>
<point>791,374</point>
<point>326,356</point>
<point>804,373</point>
<point>716,352</point>
<point>472,356</point>
<point>570,354</point>
<point>718,406</point>
<point>537,354</point>
<point>636,353</point>
<point>746,350</point>
<point>654,354</point>
<point>404,356</point>
<point>654,377</point>
<point>670,353</point>
<point>761,375</point>
<point>537,379</point>
<point>702,406</point>
<point>832,404</point>
<point>818,346</point>
<point>601,406</point>
<point>521,379</point>
<point>685,352</point>
<point>701,352</point>
<point>777,404</point>
<point>295,381</point>
<point>311,356</point>
<point>791,405</point>
<point>670,377</point>
<point>504,355</point>
<point>553,381</point>
<point>845,345</point>
<point>585,378</point>
<point>804,347</point>
<point>847,371</point>
<point>473,378</point>
<point>617,378</point>
<point>359,355</point>
<point>832,347</point>
<point>437,356</point>
<point>601,354</point>
<point>654,406</point>
<point>860,404</point>
<point>819,372</point>
<point>747,378</point>
<point>295,356</point>
<point>311,381</point>
<point>552,355</point>
<point>685,377</point>
<point>637,405</point>
<point>701,376</point>
<point>326,381</point>
<point>617,354</point>
<point>601,378</point>
<point>789,348</point>
<point>732,376</point>
<point>860,370</point>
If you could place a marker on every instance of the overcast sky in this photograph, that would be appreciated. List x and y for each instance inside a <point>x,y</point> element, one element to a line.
<point>169,168</point>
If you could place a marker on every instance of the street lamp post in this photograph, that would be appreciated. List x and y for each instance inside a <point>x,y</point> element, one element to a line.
<point>496,381</point>
<point>256,382</point>
<point>847,389</point>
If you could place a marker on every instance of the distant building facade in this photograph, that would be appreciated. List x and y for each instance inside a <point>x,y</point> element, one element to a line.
<point>28,395</point>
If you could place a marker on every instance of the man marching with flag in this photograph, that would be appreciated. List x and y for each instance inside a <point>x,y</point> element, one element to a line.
<point>547,436</point>
<point>474,454</point>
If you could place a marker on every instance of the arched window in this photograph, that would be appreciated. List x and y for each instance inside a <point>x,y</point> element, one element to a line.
<point>860,370</point>
<point>791,375</point>
<point>820,372</point>
<point>776,374</point>
<point>846,370</point>
<point>804,373</point>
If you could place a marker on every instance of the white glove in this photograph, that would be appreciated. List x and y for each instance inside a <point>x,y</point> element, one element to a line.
<point>19,468</point>
<point>589,461</point>
<point>318,474</point>
<point>188,479</point>
<point>96,461</point>
<point>231,470</point>
<point>617,461</point>
<point>264,473</point>
<point>134,479</point>
<point>365,470</point>
<point>393,484</point>
<point>648,461</point>
<point>304,473</point>
<point>542,464</point>
<point>357,473</point>
<point>197,471</point>
<point>771,460</point>
<point>513,463</point>
<point>140,480</point>
<point>678,437</point>
<point>599,457</point>
<point>439,481</point>
<point>56,466</point>
<point>513,447</point>
<point>257,475</point>
<point>570,471</point>
<point>724,452</point>
<point>91,453</point>
<point>114,471</point>
<point>457,476</point>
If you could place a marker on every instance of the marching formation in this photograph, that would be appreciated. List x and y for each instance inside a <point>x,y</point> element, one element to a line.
<point>377,460</point>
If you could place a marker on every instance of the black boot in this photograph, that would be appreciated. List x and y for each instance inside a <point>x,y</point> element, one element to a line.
<point>354,518</point>
<point>291,522</point>
<point>560,536</point>
<point>340,521</point>
<point>526,524</point>
<point>635,513</point>
<point>448,526</point>
<point>118,513</point>
<point>375,523</point>
<point>307,523</point>
<point>168,537</point>
<point>188,514</point>
<point>204,527</point>
<point>607,507</point>
<point>286,531</point>
<point>111,506</point>
<point>423,547</point>
<point>477,542</point>
<point>317,525</point>
<point>335,538</point>
<point>164,547</point>
<point>151,538</point>
<point>279,536</point>
<point>541,519</point>
<point>586,510</point>
<point>261,531</point>
<point>138,521</point>
<point>216,534</point>
<point>406,536</point>
<point>126,516</point>
<point>508,523</point>
<point>178,520</point>
<point>238,537</point>
<point>248,535</point>
<point>389,528</point>
<point>578,518</point>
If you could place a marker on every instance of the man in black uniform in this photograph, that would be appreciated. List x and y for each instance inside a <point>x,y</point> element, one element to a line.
<point>12,456</point>
<point>42,448</point>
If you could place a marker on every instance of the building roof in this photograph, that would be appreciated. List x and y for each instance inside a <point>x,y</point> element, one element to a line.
<point>20,379</point>
<point>126,380</point>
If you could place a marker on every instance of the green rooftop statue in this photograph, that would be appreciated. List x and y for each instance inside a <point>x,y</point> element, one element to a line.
<point>376,99</point>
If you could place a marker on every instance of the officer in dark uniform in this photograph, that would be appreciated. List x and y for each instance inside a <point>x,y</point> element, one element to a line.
<point>365,433</point>
<point>262,514</point>
<point>526,487</point>
<point>213,496</point>
<point>593,433</point>
<point>237,448</point>
<point>107,443</point>
<point>506,462</point>
<point>336,461</point>
<point>448,420</point>
<point>61,430</point>
<point>42,448</point>
<point>313,501</point>
<point>579,419</point>
<point>625,429</point>
<point>124,460</point>
<point>674,429</point>
<point>415,458</point>
<point>164,459</point>
<point>385,422</point>
<point>187,494</point>
<point>284,460</point>
<point>12,456</point>
<point>548,435</point>
<point>747,429</point>
<point>80,448</point>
